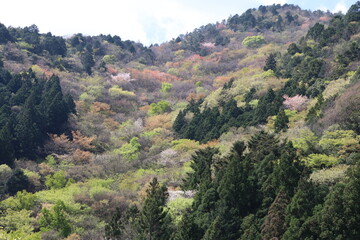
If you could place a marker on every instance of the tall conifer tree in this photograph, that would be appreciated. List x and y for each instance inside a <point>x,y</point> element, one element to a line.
<point>154,222</point>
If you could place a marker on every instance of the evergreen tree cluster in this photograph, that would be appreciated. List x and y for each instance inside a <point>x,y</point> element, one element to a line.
<point>210,123</point>
<point>274,18</point>
<point>259,191</point>
<point>305,64</point>
<point>30,108</point>
<point>259,20</point>
<point>37,42</point>
<point>151,222</point>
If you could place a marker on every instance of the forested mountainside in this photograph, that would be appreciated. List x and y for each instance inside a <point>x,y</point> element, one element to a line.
<point>243,129</point>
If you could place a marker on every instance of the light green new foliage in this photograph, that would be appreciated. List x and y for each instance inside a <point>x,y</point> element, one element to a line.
<point>185,145</point>
<point>334,141</point>
<point>177,207</point>
<point>55,219</point>
<point>152,133</point>
<point>26,200</point>
<point>158,108</point>
<point>98,191</point>
<point>95,90</point>
<point>132,180</point>
<point>320,160</point>
<point>109,59</point>
<point>67,193</point>
<point>116,92</point>
<point>50,160</point>
<point>166,87</point>
<point>330,175</point>
<point>16,224</point>
<point>18,234</point>
<point>25,45</point>
<point>306,139</point>
<point>253,41</point>
<point>92,93</point>
<point>5,174</point>
<point>22,200</point>
<point>57,180</point>
<point>86,98</point>
<point>130,151</point>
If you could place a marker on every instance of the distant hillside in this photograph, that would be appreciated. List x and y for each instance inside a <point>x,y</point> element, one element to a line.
<point>256,117</point>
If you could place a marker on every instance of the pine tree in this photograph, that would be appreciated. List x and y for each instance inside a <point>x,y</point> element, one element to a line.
<point>17,182</point>
<point>214,231</point>
<point>301,207</point>
<point>274,225</point>
<point>265,108</point>
<point>250,228</point>
<point>69,104</point>
<point>123,224</point>
<point>56,114</point>
<point>201,165</point>
<point>115,227</point>
<point>179,122</point>
<point>154,221</point>
<point>281,122</point>
<point>340,215</point>
<point>4,34</point>
<point>353,13</point>
<point>270,63</point>
<point>4,96</point>
<point>54,106</point>
<point>187,229</point>
<point>262,144</point>
<point>287,172</point>
<point>15,83</point>
<point>88,62</point>
<point>250,95</point>
<point>56,219</point>
<point>6,137</point>
<point>351,198</point>
<point>293,49</point>
<point>5,75</point>
<point>28,134</point>
<point>237,193</point>
<point>6,145</point>
<point>23,93</point>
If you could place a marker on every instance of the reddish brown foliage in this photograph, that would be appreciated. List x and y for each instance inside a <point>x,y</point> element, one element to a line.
<point>99,107</point>
<point>82,141</point>
<point>78,147</point>
<point>158,121</point>
<point>195,96</point>
<point>82,157</point>
<point>59,144</point>
<point>324,19</point>
<point>111,123</point>
<point>219,81</point>
<point>45,169</point>
<point>195,58</point>
<point>148,74</point>
<point>112,70</point>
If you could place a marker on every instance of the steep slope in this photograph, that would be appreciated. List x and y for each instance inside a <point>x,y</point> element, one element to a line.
<point>177,111</point>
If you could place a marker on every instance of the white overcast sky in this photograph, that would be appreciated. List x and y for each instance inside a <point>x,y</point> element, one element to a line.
<point>147,21</point>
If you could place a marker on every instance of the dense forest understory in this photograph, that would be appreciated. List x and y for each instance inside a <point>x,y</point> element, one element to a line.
<point>247,128</point>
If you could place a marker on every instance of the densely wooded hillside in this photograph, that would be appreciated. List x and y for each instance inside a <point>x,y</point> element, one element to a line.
<point>247,128</point>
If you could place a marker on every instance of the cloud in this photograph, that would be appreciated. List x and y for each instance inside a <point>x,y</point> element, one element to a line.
<point>170,18</point>
<point>146,21</point>
<point>67,17</point>
<point>340,7</point>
